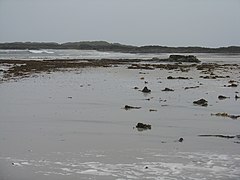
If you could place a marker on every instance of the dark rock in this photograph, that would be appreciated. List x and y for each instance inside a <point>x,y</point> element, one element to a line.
<point>167,89</point>
<point>221,97</point>
<point>226,115</point>
<point>234,116</point>
<point>143,126</point>
<point>221,136</point>
<point>232,81</point>
<point>232,85</point>
<point>193,87</point>
<point>201,102</point>
<point>221,114</point>
<point>236,96</point>
<point>127,107</point>
<point>213,77</point>
<point>181,58</point>
<point>146,90</point>
<point>183,78</point>
<point>152,110</point>
<point>180,140</point>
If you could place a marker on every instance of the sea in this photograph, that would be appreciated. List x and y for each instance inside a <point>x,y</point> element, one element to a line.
<point>51,54</point>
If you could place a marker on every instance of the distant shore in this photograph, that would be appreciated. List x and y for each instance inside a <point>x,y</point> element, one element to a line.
<point>116,47</point>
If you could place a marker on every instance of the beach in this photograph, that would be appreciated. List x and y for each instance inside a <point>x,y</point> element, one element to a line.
<point>70,121</point>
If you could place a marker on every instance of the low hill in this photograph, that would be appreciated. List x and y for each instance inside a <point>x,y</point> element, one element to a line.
<point>116,47</point>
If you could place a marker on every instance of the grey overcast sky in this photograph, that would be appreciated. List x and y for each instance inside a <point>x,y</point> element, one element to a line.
<point>210,23</point>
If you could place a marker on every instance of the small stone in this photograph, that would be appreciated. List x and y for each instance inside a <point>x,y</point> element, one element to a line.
<point>152,110</point>
<point>167,89</point>
<point>146,90</point>
<point>180,140</point>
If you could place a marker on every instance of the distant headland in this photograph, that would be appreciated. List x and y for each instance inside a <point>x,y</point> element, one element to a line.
<point>116,47</point>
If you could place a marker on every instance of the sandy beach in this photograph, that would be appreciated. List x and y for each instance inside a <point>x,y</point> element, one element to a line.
<point>71,122</point>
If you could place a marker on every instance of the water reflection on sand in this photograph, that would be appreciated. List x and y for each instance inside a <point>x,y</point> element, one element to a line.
<point>73,125</point>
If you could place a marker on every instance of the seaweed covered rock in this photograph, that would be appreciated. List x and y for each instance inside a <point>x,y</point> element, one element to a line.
<point>182,58</point>
<point>143,126</point>
<point>201,102</point>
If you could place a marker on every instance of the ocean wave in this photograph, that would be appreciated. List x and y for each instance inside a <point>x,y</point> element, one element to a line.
<point>40,52</point>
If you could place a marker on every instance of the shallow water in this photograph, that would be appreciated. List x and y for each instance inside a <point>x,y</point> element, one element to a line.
<point>73,125</point>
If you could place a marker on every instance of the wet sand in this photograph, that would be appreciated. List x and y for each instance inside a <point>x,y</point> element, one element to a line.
<point>70,123</point>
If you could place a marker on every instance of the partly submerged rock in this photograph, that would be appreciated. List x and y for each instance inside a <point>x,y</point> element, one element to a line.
<point>221,97</point>
<point>180,140</point>
<point>226,115</point>
<point>232,85</point>
<point>236,97</point>
<point>182,58</point>
<point>141,126</point>
<point>146,90</point>
<point>217,135</point>
<point>127,107</point>
<point>180,77</point>
<point>167,89</point>
<point>191,87</point>
<point>152,110</point>
<point>221,114</point>
<point>201,102</point>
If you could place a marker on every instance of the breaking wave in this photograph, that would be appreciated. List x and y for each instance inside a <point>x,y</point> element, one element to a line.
<point>40,51</point>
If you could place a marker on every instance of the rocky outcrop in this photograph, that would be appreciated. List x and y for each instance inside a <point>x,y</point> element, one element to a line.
<point>181,58</point>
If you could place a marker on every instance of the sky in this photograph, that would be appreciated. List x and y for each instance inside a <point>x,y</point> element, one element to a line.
<point>207,23</point>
